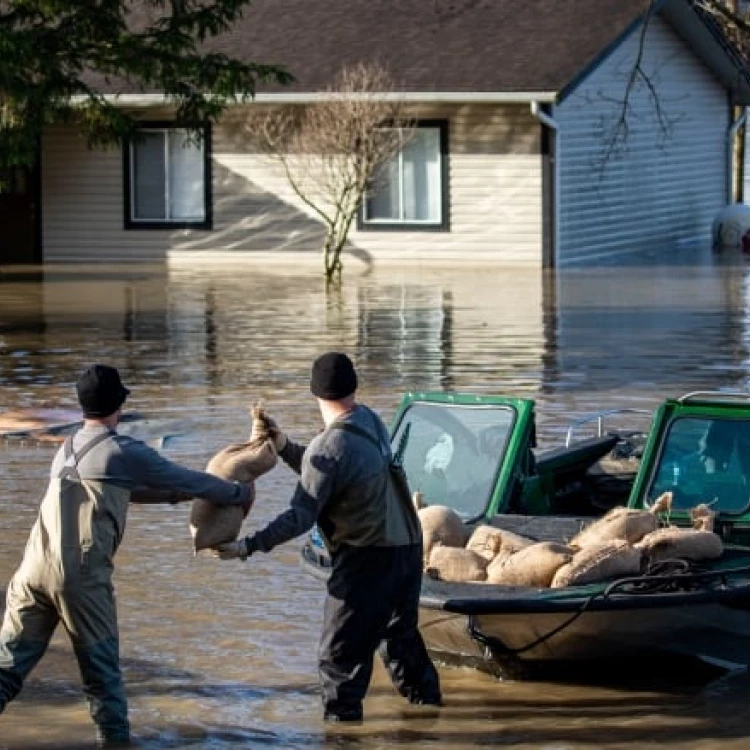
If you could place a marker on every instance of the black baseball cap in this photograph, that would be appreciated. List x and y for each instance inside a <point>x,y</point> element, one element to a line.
<point>100,391</point>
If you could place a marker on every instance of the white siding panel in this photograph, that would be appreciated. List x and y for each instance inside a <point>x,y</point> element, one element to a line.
<point>494,182</point>
<point>82,205</point>
<point>664,187</point>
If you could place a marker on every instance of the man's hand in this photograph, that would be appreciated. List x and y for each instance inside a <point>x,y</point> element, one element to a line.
<point>279,438</point>
<point>237,550</point>
<point>240,549</point>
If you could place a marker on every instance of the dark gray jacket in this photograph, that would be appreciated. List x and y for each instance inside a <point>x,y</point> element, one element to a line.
<point>346,487</point>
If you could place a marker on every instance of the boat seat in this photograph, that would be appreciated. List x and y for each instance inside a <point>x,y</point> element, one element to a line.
<point>576,458</point>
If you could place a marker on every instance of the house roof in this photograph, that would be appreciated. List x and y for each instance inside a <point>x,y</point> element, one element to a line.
<point>517,49</point>
<point>436,45</point>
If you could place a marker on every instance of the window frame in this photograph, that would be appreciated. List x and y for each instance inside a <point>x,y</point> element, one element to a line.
<point>369,225</point>
<point>131,223</point>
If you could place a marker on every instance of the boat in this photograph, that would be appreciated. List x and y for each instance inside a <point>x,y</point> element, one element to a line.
<point>696,447</point>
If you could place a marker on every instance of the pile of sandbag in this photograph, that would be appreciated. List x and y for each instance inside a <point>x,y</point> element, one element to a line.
<point>671,543</point>
<point>211,525</point>
<point>624,542</point>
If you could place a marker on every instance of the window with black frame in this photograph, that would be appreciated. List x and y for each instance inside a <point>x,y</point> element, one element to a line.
<point>412,187</point>
<point>167,173</point>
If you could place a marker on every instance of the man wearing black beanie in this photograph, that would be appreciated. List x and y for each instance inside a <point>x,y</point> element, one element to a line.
<point>349,488</point>
<point>66,572</point>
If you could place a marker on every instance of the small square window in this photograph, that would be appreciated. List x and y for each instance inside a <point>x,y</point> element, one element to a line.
<point>167,173</point>
<point>412,188</point>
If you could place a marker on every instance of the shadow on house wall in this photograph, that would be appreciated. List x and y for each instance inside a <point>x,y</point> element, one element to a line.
<point>249,218</point>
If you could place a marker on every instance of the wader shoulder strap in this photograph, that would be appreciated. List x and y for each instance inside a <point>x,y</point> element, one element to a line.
<point>354,429</point>
<point>70,470</point>
<point>397,475</point>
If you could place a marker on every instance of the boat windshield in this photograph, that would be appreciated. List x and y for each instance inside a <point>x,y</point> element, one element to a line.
<point>452,453</point>
<point>704,460</point>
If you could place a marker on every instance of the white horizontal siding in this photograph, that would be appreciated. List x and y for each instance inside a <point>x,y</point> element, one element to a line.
<point>665,186</point>
<point>494,182</point>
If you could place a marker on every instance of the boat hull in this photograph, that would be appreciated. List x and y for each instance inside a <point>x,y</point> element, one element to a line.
<point>514,632</point>
<point>515,644</point>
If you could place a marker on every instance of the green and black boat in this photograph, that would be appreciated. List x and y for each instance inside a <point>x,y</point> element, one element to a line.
<point>477,455</point>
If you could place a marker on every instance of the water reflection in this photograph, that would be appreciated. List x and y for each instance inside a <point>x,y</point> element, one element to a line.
<point>219,655</point>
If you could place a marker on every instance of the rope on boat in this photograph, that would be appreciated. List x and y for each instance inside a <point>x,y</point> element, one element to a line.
<point>495,644</point>
<point>663,576</point>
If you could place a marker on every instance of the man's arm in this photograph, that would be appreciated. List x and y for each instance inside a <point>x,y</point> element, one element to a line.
<point>152,470</point>
<point>291,454</point>
<point>310,496</point>
<point>290,524</point>
<point>154,496</point>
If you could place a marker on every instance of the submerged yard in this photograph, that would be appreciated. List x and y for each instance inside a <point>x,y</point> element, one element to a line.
<point>219,655</point>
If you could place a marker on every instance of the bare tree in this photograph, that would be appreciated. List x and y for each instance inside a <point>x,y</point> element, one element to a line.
<point>334,151</point>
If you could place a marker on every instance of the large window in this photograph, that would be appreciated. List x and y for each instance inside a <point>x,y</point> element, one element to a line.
<point>452,454</point>
<point>704,460</point>
<point>412,187</point>
<point>167,179</point>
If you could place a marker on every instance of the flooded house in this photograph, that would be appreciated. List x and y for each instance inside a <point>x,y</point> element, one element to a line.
<point>548,135</point>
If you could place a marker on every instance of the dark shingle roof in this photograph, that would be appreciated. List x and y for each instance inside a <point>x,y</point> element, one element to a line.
<point>432,45</point>
<point>435,45</point>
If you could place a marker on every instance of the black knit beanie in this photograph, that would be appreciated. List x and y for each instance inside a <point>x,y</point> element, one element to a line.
<point>100,391</point>
<point>333,377</point>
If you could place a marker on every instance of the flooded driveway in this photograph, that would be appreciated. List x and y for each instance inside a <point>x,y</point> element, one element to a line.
<point>222,654</point>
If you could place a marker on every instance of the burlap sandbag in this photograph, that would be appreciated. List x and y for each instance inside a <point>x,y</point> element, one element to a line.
<point>620,523</point>
<point>211,525</point>
<point>674,543</point>
<point>440,526</point>
<point>702,517</point>
<point>493,543</point>
<point>456,564</point>
<point>598,562</point>
<point>533,566</point>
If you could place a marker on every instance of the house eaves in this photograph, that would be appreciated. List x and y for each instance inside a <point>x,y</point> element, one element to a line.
<point>700,33</point>
<point>138,101</point>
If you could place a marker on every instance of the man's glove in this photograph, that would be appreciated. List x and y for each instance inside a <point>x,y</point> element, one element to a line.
<point>237,550</point>
<point>279,438</point>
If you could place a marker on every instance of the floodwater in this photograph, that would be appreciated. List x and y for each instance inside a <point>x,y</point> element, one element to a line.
<point>222,654</point>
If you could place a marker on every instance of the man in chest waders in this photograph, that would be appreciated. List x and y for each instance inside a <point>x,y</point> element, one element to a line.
<point>66,572</point>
